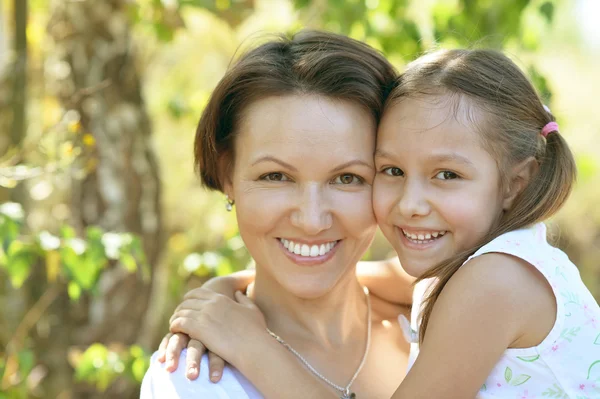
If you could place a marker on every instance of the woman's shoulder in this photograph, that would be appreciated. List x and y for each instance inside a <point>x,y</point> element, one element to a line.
<point>159,383</point>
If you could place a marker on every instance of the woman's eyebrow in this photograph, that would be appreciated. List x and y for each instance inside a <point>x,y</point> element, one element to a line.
<point>269,158</point>
<point>351,163</point>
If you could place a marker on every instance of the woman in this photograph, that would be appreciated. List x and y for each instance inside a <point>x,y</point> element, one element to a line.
<point>289,135</point>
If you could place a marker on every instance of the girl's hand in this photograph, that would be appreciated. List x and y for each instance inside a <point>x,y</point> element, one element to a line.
<point>220,323</point>
<point>173,344</point>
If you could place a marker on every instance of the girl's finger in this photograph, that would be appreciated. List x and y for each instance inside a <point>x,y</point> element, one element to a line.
<point>216,365</point>
<point>162,348</point>
<point>244,300</point>
<point>193,358</point>
<point>176,344</point>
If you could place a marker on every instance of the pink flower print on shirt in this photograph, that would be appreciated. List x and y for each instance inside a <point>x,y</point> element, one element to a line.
<point>526,395</point>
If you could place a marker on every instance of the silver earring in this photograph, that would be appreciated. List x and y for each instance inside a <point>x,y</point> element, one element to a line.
<point>229,203</point>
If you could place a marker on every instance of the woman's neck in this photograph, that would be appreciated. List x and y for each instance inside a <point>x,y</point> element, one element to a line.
<point>331,321</point>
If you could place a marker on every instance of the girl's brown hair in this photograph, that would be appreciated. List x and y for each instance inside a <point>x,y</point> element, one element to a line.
<point>510,131</point>
<point>309,62</point>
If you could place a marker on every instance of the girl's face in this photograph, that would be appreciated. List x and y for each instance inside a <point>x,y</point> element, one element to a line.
<point>302,184</point>
<point>437,190</point>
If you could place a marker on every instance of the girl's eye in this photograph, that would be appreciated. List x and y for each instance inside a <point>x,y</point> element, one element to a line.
<point>446,175</point>
<point>274,176</point>
<point>393,171</point>
<point>348,178</point>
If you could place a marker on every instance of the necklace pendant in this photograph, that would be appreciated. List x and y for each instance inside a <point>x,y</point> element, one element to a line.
<point>348,395</point>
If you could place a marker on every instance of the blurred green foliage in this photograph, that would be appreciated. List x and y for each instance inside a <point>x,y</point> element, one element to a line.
<point>183,48</point>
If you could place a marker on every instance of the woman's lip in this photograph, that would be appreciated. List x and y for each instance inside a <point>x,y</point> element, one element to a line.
<point>309,260</point>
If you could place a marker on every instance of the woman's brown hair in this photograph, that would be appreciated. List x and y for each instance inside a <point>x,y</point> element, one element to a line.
<point>513,118</point>
<point>309,62</point>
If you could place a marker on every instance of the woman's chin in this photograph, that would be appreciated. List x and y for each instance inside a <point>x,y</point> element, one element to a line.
<point>311,288</point>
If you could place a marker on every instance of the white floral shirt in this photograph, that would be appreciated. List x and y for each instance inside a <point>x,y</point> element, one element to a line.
<point>566,364</point>
<point>158,383</point>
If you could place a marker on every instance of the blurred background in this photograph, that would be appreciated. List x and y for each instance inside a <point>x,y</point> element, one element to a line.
<point>103,223</point>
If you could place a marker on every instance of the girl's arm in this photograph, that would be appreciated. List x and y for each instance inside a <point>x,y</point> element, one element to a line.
<point>385,279</point>
<point>237,332</point>
<point>493,302</point>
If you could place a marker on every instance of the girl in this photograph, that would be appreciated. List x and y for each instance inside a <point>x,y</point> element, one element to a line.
<point>469,166</point>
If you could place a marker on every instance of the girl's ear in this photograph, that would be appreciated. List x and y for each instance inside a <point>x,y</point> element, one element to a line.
<point>520,178</point>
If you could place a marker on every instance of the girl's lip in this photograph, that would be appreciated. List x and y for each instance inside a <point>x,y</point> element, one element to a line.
<point>412,245</point>
<point>309,260</point>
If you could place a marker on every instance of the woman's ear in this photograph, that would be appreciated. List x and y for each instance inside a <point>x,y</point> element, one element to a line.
<point>225,174</point>
<point>520,178</point>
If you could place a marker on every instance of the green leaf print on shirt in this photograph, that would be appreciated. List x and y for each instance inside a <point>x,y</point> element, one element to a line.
<point>570,333</point>
<point>529,358</point>
<point>557,392</point>
<point>519,380</point>
<point>596,375</point>
<point>597,340</point>
<point>571,297</point>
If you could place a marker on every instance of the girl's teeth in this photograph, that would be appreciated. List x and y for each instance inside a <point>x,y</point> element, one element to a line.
<point>423,237</point>
<point>307,250</point>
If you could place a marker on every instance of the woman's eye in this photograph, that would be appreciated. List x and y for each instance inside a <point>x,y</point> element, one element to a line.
<point>446,175</point>
<point>348,178</point>
<point>393,171</point>
<point>275,176</point>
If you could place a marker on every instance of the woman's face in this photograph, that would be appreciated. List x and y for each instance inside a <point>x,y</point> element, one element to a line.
<point>301,182</point>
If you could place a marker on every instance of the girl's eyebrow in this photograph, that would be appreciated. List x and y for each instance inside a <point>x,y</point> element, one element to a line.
<point>449,157</point>
<point>379,153</point>
<point>452,157</point>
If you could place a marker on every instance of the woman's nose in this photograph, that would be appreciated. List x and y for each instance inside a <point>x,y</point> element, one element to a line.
<point>313,212</point>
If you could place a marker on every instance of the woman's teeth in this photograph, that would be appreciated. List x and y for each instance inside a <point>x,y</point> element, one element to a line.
<point>307,250</point>
<point>422,237</point>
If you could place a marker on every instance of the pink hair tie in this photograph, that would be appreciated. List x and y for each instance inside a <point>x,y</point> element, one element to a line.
<point>549,128</point>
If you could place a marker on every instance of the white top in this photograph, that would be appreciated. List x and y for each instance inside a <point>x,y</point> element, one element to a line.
<point>566,364</point>
<point>158,383</point>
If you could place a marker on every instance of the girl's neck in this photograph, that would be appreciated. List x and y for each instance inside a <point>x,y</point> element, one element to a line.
<point>331,320</point>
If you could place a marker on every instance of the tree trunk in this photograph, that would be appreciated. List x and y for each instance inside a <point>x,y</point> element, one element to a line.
<point>92,46</point>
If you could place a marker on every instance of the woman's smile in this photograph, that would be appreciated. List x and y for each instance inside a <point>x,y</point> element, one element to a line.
<point>306,253</point>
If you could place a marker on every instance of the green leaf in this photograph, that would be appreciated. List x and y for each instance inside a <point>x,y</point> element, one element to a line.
<point>19,268</point>
<point>128,261</point>
<point>26,362</point>
<point>508,374</point>
<point>74,291</point>
<point>547,10</point>
<point>597,340</point>
<point>67,232</point>
<point>139,367</point>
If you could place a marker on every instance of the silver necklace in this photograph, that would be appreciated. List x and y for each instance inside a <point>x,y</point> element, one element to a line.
<point>344,391</point>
